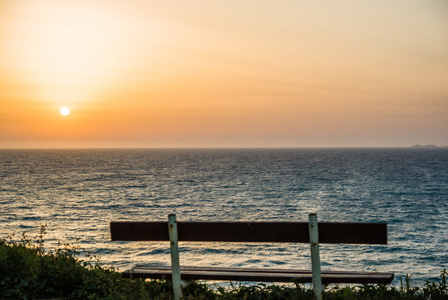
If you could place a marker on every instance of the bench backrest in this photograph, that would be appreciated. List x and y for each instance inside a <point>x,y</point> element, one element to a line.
<point>261,232</point>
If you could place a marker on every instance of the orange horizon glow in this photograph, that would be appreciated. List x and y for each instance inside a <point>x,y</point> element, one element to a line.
<point>231,74</point>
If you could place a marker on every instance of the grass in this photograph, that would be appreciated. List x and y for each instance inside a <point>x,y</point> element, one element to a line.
<point>30,271</point>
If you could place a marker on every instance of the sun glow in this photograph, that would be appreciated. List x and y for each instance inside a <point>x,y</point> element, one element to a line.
<point>73,50</point>
<point>65,111</point>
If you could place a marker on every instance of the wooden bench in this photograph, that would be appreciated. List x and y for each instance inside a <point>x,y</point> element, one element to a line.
<point>253,232</point>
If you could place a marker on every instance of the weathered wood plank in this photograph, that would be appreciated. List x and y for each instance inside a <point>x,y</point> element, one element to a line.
<point>258,275</point>
<point>269,232</point>
<point>233,269</point>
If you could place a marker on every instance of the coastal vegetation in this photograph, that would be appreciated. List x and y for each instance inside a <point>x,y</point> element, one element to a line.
<point>28,270</point>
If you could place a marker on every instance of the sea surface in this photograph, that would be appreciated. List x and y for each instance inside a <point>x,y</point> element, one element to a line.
<point>76,193</point>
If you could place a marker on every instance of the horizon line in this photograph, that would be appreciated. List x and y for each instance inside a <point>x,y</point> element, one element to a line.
<point>224,147</point>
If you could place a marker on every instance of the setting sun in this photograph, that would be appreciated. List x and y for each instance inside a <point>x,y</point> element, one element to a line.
<point>65,111</point>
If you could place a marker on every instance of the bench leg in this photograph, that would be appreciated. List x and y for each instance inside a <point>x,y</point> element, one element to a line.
<point>315,259</point>
<point>175,264</point>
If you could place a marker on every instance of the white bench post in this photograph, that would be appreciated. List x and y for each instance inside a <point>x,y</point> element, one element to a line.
<point>175,264</point>
<point>315,259</point>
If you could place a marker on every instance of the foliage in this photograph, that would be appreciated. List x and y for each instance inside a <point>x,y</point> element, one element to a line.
<point>29,271</point>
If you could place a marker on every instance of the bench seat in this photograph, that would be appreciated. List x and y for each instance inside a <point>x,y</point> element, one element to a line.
<point>257,275</point>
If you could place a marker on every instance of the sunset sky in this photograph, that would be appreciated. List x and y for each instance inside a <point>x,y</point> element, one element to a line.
<point>143,73</point>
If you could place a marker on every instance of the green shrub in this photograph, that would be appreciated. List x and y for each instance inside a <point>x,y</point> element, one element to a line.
<point>27,270</point>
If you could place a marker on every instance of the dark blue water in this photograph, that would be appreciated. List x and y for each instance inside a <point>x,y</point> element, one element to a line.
<point>78,192</point>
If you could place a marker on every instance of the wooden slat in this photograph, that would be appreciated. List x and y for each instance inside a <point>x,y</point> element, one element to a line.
<point>271,232</point>
<point>260,270</point>
<point>258,275</point>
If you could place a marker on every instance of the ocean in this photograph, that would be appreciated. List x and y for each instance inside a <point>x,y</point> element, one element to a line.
<point>76,193</point>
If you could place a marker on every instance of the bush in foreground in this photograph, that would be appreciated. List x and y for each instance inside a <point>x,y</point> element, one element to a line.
<point>29,271</point>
